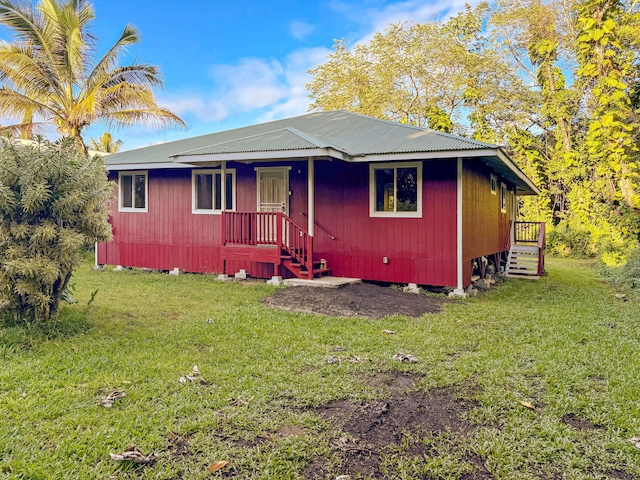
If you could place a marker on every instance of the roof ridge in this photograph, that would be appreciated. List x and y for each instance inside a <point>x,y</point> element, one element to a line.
<point>239,139</point>
<point>466,139</point>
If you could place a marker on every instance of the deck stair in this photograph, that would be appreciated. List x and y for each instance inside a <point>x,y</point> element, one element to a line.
<point>271,237</point>
<point>301,271</point>
<point>526,255</point>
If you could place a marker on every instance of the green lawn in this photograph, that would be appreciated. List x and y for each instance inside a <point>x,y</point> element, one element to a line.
<point>564,344</point>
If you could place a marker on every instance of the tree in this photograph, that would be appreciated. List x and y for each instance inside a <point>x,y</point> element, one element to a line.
<point>48,74</point>
<point>443,75</point>
<point>53,204</point>
<point>105,143</point>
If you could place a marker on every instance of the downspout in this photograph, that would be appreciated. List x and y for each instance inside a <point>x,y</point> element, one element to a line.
<point>459,291</point>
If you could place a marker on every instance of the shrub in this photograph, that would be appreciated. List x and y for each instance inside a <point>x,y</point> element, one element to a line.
<point>52,206</point>
<point>627,275</point>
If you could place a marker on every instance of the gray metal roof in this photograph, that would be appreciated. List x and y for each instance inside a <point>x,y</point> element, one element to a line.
<point>338,134</point>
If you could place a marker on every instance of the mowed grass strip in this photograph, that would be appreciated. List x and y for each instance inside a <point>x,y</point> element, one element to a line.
<point>563,344</point>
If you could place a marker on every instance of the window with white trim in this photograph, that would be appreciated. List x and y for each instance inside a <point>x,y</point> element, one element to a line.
<point>133,189</point>
<point>503,198</point>
<point>395,189</point>
<point>494,185</point>
<point>207,191</point>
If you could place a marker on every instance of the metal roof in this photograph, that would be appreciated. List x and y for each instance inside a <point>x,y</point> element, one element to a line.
<point>337,134</point>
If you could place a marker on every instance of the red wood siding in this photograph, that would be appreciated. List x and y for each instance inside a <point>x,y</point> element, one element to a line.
<point>420,250</point>
<point>168,235</point>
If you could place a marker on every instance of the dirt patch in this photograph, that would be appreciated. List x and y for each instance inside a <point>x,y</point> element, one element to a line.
<point>578,423</point>
<point>367,432</point>
<point>178,446</point>
<point>357,300</point>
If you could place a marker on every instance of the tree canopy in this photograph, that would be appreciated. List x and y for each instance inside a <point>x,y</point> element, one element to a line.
<point>556,81</point>
<point>49,74</point>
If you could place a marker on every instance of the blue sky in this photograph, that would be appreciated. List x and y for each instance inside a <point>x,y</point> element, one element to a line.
<point>227,64</point>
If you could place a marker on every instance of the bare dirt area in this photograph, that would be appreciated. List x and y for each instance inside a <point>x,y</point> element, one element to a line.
<point>357,300</point>
<point>395,426</point>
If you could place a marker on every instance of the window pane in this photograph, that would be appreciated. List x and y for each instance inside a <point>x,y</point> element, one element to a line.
<point>140,193</point>
<point>126,190</point>
<point>204,192</point>
<point>384,190</point>
<point>229,192</point>
<point>407,189</point>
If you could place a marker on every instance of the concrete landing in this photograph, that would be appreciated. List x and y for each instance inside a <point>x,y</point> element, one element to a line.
<point>325,282</point>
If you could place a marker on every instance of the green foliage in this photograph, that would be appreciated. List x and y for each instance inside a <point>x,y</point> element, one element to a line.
<point>51,72</point>
<point>574,133</point>
<point>444,75</point>
<point>105,143</point>
<point>627,275</point>
<point>52,206</point>
<point>564,240</point>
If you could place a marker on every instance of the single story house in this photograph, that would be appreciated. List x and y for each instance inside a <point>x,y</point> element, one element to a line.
<point>327,191</point>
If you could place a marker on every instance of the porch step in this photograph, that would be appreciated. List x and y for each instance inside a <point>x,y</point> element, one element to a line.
<point>522,262</point>
<point>300,271</point>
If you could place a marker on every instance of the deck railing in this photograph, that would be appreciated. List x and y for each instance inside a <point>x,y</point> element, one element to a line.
<point>269,228</point>
<point>527,232</point>
<point>532,233</point>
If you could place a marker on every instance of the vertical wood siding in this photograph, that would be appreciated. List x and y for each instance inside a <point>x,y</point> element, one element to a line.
<point>485,228</point>
<point>420,250</point>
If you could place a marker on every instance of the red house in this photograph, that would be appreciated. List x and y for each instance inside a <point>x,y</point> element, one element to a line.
<point>329,191</point>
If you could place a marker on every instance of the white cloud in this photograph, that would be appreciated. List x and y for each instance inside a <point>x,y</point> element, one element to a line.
<point>374,18</point>
<point>269,88</point>
<point>275,88</point>
<point>300,30</point>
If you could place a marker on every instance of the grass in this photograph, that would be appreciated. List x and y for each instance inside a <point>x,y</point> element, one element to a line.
<point>564,344</point>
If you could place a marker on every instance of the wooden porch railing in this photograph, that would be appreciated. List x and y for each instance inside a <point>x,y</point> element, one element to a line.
<point>532,233</point>
<point>269,228</point>
<point>527,232</point>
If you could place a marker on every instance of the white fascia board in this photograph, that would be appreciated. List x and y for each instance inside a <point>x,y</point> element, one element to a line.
<point>303,154</point>
<point>146,166</point>
<point>515,169</point>
<point>392,157</point>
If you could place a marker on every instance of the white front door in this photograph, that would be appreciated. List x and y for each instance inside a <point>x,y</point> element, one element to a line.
<point>273,189</point>
<point>273,196</point>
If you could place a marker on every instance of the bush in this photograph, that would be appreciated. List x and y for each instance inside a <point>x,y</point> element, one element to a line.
<point>627,275</point>
<point>52,206</point>
<point>564,240</point>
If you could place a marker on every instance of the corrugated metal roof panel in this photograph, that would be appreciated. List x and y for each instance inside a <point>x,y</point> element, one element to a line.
<point>344,131</point>
<point>278,140</point>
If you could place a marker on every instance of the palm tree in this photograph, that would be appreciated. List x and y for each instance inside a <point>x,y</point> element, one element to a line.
<point>49,73</point>
<point>105,143</point>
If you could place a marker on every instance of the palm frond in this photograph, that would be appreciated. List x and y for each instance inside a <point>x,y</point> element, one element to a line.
<point>28,28</point>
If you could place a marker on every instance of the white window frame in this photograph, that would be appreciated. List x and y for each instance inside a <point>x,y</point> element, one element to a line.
<point>372,189</point>
<point>194,193</point>
<point>494,184</point>
<point>133,173</point>
<point>503,198</point>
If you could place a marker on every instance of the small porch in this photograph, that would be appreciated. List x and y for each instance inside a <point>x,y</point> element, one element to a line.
<point>527,250</point>
<point>270,237</point>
